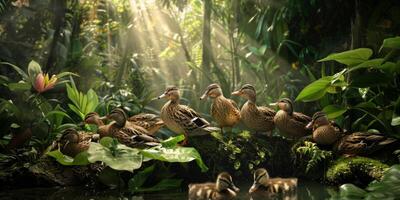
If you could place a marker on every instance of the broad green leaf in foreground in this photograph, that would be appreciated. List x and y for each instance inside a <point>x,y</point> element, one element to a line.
<point>315,90</point>
<point>120,158</point>
<point>176,154</point>
<point>80,159</point>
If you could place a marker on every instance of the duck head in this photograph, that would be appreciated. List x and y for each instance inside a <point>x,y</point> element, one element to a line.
<point>213,91</point>
<point>318,119</point>
<point>119,116</point>
<point>224,182</point>
<point>261,177</point>
<point>247,91</point>
<point>171,93</point>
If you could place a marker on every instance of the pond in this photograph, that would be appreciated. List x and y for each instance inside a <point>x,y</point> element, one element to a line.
<point>306,190</point>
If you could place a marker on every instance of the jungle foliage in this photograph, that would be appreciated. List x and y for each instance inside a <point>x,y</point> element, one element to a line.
<point>60,60</point>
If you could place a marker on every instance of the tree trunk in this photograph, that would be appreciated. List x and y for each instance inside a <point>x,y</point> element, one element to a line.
<point>59,10</point>
<point>207,51</point>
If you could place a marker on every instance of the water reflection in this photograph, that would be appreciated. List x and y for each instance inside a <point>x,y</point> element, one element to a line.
<point>306,190</point>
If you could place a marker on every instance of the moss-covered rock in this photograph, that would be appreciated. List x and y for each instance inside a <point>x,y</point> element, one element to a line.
<point>357,170</point>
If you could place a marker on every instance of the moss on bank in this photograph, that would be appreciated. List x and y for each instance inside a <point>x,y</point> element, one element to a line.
<point>357,170</point>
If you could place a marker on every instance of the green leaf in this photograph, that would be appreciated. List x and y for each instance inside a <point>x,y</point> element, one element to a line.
<point>165,184</point>
<point>352,191</point>
<point>315,90</point>
<point>396,113</point>
<point>334,111</point>
<point>33,70</point>
<point>351,57</point>
<point>18,70</point>
<point>140,178</point>
<point>80,159</point>
<point>393,43</point>
<point>374,63</point>
<point>62,74</point>
<point>172,141</point>
<point>176,154</point>
<point>19,86</point>
<point>125,158</point>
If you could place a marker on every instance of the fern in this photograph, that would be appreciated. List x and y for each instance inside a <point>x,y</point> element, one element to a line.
<point>3,6</point>
<point>315,154</point>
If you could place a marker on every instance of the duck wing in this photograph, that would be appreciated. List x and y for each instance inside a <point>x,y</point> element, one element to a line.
<point>268,113</point>
<point>190,119</point>
<point>301,118</point>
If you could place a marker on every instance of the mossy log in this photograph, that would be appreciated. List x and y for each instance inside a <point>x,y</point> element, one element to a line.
<point>357,170</point>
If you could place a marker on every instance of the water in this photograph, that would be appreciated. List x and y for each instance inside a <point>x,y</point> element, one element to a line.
<point>306,190</point>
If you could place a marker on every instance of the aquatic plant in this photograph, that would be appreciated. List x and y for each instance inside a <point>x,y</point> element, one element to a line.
<point>386,188</point>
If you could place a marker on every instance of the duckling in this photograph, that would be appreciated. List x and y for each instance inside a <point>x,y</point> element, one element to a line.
<point>73,142</point>
<point>129,133</point>
<point>180,118</point>
<point>152,123</point>
<point>290,124</point>
<point>360,143</point>
<point>223,110</point>
<point>325,132</point>
<point>258,118</point>
<point>264,186</point>
<point>223,189</point>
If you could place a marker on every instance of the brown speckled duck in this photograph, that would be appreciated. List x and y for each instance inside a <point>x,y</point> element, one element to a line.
<point>128,133</point>
<point>258,118</point>
<point>182,119</point>
<point>325,132</point>
<point>264,186</point>
<point>361,143</point>
<point>152,123</point>
<point>223,189</point>
<point>95,119</point>
<point>224,111</point>
<point>73,142</point>
<point>290,124</point>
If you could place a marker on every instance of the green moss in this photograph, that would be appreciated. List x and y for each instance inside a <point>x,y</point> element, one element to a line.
<point>357,170</point>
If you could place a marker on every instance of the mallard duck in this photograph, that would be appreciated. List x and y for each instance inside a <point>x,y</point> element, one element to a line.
<point>290,124</point>
<point>128,133</point>
<point>258,118</point>
<point>264,186</point>
<point>222,189</point>
<point>325,132</point>
<point>361,143</point>
<point>223,110</point>
<point>152,123</point>
<point>180,118</point>
<point>73,142</point>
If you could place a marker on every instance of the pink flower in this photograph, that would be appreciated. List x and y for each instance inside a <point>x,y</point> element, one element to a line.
<point>44,83</point>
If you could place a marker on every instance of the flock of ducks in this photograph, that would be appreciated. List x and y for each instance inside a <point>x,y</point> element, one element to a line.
<point>138,131</point>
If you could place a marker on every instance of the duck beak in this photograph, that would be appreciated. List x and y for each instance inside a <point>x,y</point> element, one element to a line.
<point>103,118</point>
<point>81,124</point>
<point>236,93</point>
<point>309,125</point>
<point>236,189</point>
<point>273,104</point>
<point>204,96</point>
<point>162,96</point>
<point>253,187</point>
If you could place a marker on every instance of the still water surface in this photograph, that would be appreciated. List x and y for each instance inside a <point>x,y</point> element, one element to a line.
<point>306,190</point>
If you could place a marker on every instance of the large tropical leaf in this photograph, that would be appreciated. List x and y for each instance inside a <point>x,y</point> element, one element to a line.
<point>351,57</point>
<point>315,90</point>
<point>80,159</point>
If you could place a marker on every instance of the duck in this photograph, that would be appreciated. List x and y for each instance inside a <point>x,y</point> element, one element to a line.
<point>151,122</point>
<point>324,132</point>
<point>362,143</point>
<point>73,142</point>
<point>180,118</point>
<point>264,186</point>
<point>222,189</point>
<point>128,133</point>
<point>258,118</point>
<point>289,123</point>
<point>224,111</point>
